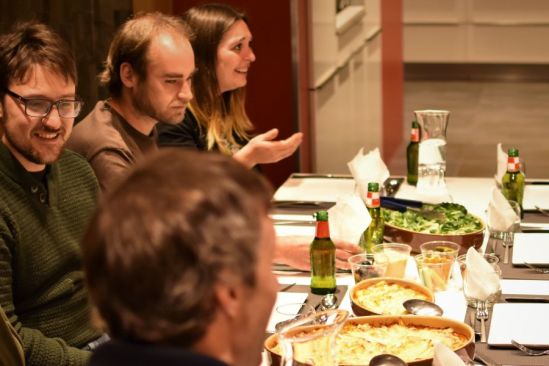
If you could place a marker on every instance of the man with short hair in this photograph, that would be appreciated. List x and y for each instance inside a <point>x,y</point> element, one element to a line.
<point>47,194</point>
<point>178,263</point>
<point>148,74</point>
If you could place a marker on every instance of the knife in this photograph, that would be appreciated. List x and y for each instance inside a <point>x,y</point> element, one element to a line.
<point>526,299</point>
<point>303,204</point>
<point>331,176</point>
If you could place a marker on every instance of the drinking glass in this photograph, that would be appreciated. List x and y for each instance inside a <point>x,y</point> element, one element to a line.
<point>312,340</point>
<point>432,149</point>
<point>396,255</point>
<point>434,272</point>
<point>365,266</point>
<point>498,234</point>
<point>287,313</point>
<point>440,248</point>
<point>493,260</point>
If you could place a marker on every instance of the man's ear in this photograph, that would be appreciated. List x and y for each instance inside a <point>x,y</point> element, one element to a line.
<point>229,297</point>
<point>127,75</point>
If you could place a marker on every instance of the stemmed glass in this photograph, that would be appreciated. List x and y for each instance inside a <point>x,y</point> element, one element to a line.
<point>312,340</point>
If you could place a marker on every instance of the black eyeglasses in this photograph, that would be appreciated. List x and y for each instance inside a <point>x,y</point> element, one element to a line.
<point>40,107</point>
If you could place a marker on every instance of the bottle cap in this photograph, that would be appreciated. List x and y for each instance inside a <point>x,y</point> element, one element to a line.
<point>321,215</point>
<point>513,152</point>
<point>415,124</point>
<point>373,187</point>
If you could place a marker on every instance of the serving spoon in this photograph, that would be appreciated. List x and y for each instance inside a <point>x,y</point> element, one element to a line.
<point>422,307</point>
<point>386,360</point>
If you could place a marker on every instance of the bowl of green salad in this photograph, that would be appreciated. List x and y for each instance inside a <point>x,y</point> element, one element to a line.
<point>455,224</point>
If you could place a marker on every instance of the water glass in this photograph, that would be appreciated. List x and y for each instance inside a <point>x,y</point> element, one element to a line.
<point>493,260</point>
<point>396,255</point>
<point>312,340</point>
<point>365,266</point>
<point>440,248</point>
<point>434,272</point>
<point>287,313</point>
<point>498,234</point>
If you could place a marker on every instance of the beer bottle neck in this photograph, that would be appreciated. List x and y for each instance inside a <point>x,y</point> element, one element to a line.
<point>322,230</point>
<point>513,164</point>
<point>372,199</point>
<point>414,134</point>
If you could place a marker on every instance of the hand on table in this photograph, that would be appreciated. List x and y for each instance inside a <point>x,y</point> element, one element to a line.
<point>263,149</point>
<point>293,251</point>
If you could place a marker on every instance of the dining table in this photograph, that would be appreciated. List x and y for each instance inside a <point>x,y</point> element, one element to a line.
<point>303,194</point>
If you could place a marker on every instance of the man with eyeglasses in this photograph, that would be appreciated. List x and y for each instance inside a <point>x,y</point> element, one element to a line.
<point>47,194</point>
<point>148,73</point>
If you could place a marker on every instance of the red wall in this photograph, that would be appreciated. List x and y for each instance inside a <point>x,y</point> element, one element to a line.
<point>392,76</point>
<point>269,91</point>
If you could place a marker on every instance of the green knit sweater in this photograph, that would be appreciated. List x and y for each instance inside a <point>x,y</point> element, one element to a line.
<point>41,279</point>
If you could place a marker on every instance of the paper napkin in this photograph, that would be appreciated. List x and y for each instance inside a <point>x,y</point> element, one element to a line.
<point>444,356</point>
<point>501,163</point>
<point>366,168</point>
<point>348,219</point>
<point>482,280</point>
<point>501,216</point>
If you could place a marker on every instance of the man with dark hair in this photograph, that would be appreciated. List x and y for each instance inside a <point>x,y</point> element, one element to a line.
<point>48,195</point>
<point>180,271</point>
<point>148,74</point>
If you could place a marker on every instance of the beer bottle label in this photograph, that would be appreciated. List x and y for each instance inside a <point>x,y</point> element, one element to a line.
<point>414,135</point>
<point>513,164</point>
<point>372,199</point>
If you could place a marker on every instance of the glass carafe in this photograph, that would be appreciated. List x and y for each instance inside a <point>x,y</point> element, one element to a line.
<point>312,340</point>
<point>432,150</point>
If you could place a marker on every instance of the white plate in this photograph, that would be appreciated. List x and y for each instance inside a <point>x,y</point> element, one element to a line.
<point>531,248</point>
<point>526,323</point>
<point>535,195</point>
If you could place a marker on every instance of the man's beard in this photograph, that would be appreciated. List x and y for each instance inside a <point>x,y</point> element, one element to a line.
<point>28,152</point>
<point>143,104</point>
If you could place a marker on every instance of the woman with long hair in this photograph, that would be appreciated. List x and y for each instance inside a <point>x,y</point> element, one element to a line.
<point>216,118</point>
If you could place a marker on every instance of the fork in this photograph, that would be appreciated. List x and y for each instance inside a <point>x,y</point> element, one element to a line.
<point>542,211</point>
<point>529,351</point>
<point>508,240</point>
<point>536,268</point>
<point>482,315</point>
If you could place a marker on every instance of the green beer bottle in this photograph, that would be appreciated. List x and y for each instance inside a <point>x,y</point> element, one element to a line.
<point>412,152</point>
<point>374,233</point>
<point>513,181</point>
<point>322,252</point>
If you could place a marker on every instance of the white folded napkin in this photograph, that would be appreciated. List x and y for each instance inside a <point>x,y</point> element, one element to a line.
<point>348,219</point>
<point>501,216</point>
<point>444,356</point>
<point>501,163</point>
<point>482,280</point>
<point>367,168</point>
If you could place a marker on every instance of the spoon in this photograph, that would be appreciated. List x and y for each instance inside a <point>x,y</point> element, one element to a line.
<point>422,307</point>
<point>327,302</point>
<point>386,360</point>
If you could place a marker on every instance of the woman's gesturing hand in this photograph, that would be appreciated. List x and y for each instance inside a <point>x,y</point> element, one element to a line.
<point>263,149</point>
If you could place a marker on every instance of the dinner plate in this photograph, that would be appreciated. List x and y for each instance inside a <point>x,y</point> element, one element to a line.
<point>526,323</point>
<point>535,195</point>
<point>532,248</point>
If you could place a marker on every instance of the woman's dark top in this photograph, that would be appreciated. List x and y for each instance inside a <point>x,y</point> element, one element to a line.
<point>187,133</point>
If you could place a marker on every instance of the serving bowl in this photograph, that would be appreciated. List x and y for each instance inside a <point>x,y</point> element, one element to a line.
<point>362,310</point>
<point>397,234</point>
<point>271,343</point>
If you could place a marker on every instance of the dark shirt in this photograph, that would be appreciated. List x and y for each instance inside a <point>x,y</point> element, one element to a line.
<point>109,143</point>
<point>119,353</point>
<point>188,133</point>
